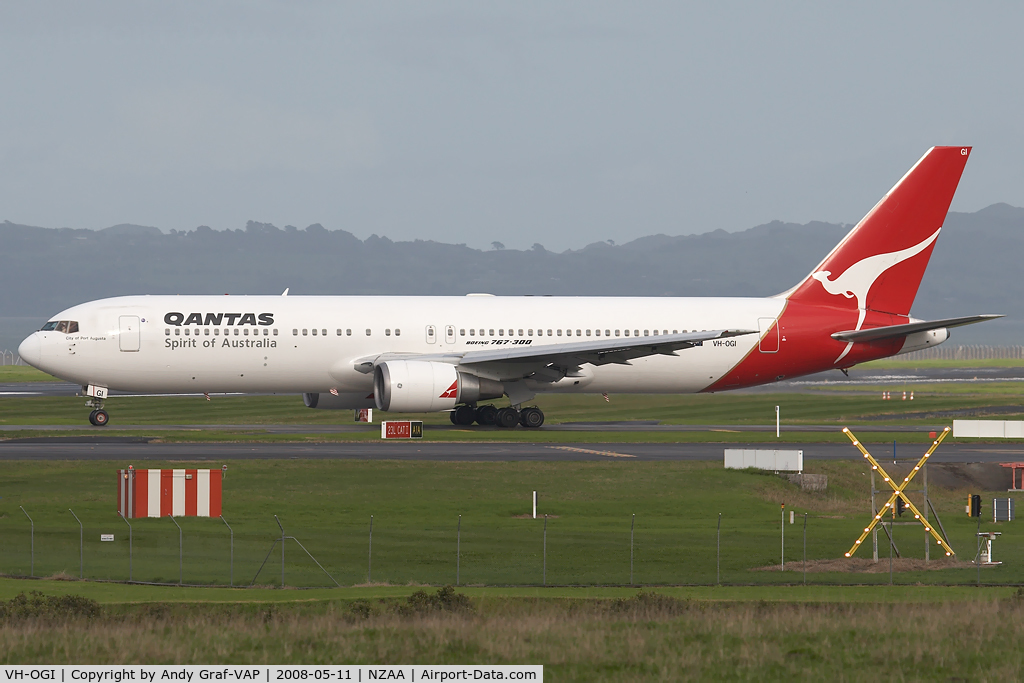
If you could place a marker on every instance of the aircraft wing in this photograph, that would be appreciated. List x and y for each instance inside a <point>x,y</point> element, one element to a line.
<point>893,331</point>
<point>598,351</point>
<point>595,352</point>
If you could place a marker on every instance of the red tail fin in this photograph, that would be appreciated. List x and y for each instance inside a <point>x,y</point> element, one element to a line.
<point>879,265</point>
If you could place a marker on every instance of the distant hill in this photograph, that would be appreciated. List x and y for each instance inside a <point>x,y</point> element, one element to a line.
<point>973,269</point>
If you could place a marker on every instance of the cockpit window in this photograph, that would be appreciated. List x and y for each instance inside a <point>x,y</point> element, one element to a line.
<point>65,326</point>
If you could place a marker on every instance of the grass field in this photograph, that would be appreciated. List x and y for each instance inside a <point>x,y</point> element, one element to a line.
<point>416,506</point>
<point>586,625</point>
<point>645,636</point>
<point>727,408</point>
<point>867,413</point>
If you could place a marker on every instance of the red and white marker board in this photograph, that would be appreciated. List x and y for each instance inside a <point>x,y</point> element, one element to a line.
<point>179,493</point>
<point>401,429</point>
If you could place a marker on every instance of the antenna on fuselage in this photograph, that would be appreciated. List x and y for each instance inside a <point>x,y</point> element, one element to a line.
<point>285,292</point>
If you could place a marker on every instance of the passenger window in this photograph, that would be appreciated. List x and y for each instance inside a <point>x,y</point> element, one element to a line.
<point>559,333</point>
<point>482,333</point>
<point>501,332</point>
<point>168,332</point>
<point>367,331</point>
<point>206,331</point>
<point>186,331</point>
<point>588,333</point>
<point>348,332</point>
<point>675,332</point>
<point>636,333</point>
<point>305,332</point>
<point>295,332</point>
<point>664,331</point>
<point>216,332</point>
<point>314,331</point>
<point>627,333</point>
<point>339,331</point>
<point>265,332</point>
<point>323,333</point>
<point>549,333</point>
<point>387,332</point>
<point>177,331</point>
<point>607,333</point>
<point>655,333</point>
<point>579,333</point>
<point>398,332</point>
<point>472,332</point>
<point>520,333</point>
<point>529,332</point>
<point>492,332</point>
<point>462,333</point>
<point>275,331</point>
<point>236,331</point>
<point>245,331</point>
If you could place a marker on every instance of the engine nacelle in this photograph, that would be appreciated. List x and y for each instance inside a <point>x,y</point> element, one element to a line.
<point>413,386</point>
<point>343,401</point>
<point>924,340</point>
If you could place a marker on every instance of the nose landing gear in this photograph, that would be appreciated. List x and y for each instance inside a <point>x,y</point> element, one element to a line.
<point>99,417</point>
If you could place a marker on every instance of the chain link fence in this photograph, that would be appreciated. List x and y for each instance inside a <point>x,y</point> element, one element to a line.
<point>722,549</point>
<point>10,358</point>
<point>968,352</point>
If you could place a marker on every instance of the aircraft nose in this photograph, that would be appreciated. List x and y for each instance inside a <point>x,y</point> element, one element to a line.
<point>31,350</point>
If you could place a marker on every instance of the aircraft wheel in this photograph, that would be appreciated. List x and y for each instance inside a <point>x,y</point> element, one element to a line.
<point>99,418</point>
<point>92,418</point>
<point>531,418</point>
<point>463,416</point>
<point>508,418</point>
<point>451,416</point>
<point>486,415</point>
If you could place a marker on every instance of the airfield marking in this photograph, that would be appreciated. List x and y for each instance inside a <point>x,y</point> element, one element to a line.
<point>587,450</point>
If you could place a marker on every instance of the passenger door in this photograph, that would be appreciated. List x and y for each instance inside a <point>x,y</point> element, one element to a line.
<point>129,336</point>
<point>769,332</point>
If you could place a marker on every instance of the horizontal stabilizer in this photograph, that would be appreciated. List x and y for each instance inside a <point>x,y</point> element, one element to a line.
<point>894,331</point>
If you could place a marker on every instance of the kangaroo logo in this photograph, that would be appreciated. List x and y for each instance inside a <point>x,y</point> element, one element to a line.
<point>857,280</point>
<point>452,391</point>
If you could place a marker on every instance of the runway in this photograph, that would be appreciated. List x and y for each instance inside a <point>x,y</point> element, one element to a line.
<point>131,449</point>
<point>822,381</point>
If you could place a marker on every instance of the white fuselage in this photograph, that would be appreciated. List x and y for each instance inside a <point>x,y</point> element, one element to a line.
<point>184,344</point>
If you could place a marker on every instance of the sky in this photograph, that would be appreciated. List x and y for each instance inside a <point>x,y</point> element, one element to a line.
<point>556,123</point>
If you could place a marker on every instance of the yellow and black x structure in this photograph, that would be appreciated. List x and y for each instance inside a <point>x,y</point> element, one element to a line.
<point>898,492</point>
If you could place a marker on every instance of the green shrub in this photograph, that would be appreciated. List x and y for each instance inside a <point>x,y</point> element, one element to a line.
<point>35,605</point>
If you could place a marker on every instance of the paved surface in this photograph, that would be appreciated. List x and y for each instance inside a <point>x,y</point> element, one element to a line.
<point>640,426</point>
<point>112,448</point>
<point>820,381</point>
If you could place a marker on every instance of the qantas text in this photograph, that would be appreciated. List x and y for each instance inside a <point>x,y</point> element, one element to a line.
<point>175,318</point>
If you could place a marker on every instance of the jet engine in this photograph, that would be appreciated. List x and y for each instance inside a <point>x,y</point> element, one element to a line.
<point>343,401</point>
<point>410,386</point>
<point>924,340</point>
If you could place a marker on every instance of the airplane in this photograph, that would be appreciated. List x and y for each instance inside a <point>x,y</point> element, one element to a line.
<point>406,354</point>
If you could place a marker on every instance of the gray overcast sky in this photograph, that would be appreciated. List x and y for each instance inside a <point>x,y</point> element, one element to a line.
<point>559,123</point>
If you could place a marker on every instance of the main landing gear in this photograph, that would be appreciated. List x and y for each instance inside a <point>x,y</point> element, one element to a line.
<point>506,418</point>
